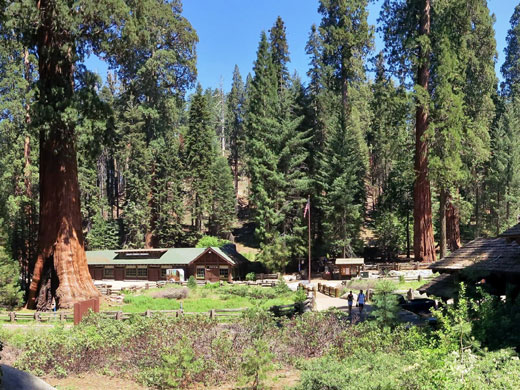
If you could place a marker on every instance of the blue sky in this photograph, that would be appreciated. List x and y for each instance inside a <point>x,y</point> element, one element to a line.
<point>229,31</point>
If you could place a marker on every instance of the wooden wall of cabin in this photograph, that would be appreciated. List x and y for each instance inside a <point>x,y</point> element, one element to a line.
<point>211,262</point>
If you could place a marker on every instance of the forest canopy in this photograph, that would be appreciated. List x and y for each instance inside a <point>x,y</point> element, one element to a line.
<point>411,150</point>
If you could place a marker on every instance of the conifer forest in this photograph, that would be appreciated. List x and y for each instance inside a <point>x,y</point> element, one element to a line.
<point>405,152</point>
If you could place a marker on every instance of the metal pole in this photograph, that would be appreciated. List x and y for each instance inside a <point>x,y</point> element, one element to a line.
<point>309,228</point>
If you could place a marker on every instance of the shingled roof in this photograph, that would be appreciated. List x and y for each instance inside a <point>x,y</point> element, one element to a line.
<point>442,286</point>
<point>512,233</point>
<point>177,256</point>
<point>491,255</point>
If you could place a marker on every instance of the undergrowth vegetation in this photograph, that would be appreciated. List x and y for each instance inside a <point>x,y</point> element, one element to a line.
<point>210,296</point>
<point>330,352</point>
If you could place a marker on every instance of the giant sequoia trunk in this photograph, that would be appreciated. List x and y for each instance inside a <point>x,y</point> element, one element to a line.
<point>443,200</point>
<point>424,246</point>
<point>452,226</point>
<point>61,270</point>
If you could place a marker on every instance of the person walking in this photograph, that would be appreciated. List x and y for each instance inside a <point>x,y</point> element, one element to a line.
<point>361,301</point>
<point>350,300</point>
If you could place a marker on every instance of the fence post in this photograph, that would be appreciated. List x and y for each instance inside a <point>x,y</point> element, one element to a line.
<point>62,316</point>
<point>212,313</point>
<point>148,313</point>
<point>12,316</point>
<point>119,315</point>
<point>337,291</point>
<point>37,316</point>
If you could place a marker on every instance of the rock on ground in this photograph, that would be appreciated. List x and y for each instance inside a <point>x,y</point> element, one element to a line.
<point>14,379</point>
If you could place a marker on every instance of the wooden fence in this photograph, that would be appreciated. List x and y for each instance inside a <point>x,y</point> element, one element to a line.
<point>64,316</point>
<point>329,290</point>
<point>107,289</point>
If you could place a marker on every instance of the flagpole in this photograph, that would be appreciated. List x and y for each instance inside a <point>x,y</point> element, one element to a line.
<point>309,229</point>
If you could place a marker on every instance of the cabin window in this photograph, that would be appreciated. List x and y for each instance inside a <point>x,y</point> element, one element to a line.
<point>142,272</point>
<point>108,273</point>
<point>130,272</point>
<point>224,273</point>
<point>163,272</point>
<point>201,273</point>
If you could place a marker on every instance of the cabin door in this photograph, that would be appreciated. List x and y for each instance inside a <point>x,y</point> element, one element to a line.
<point>154,274</point>
<point>213,273</point>
<point>98,273</point>
<point>119,274</point>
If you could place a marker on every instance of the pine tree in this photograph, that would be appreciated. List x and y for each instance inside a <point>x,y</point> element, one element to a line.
<point>200,155</point>
<point>503,179</point>
<point>280,52</point>
<point>277,152</point>
<point>479,96</point>
<point>391,162</point>
<point>222,209</point>
<point>511,67</point>
<point>345,39</point>
<point>18,161</point>
<point>235,125</point>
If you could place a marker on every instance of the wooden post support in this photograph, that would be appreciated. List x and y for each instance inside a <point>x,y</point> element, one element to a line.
<point>62,316</point>
<point>212,313</point>
<point>37,316</point>
<point>337,292</point>
<point>148,313</point>
<point>12,316</point>
<point>119,315</point>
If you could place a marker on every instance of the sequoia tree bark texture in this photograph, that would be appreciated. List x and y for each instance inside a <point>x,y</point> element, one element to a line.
<point>61,270</point>
<point>424,245</point>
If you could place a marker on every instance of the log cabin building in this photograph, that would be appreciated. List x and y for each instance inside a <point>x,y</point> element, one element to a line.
<point>209,264</point>
<point>491,262</point>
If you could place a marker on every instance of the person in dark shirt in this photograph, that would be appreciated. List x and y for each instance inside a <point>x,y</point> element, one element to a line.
<point>350,299</point>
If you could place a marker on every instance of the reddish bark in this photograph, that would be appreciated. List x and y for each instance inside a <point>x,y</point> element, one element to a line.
<point>424,245</point>
<point>452,226</point>
<point>61,269</point>
<point>151,238</point>
<point>443,200</point>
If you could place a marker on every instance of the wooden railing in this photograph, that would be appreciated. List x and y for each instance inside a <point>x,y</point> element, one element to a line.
<point>64,316</point>
<point>107,289</point>
<point>329,290</point>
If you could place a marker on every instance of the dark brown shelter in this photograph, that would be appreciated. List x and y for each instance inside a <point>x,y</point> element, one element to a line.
<point>494,262</point>
<point>210,264</point>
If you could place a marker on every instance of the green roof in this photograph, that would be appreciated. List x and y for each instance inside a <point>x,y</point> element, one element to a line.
<point>180,256</point>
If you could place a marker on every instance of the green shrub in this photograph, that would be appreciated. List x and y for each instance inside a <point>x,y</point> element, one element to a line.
<point>385,303</point>
<point>282,287</point>
<point>176,368</point>
<point>10,293</point>
<point>211,241</point>
<point>251,276</point>
<point>301,295</point>
<point>256,363</point>
<point>192,282</point>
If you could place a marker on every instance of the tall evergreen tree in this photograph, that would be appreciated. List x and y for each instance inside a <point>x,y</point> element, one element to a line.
<point>235,125</point>
<point>407,33</point>
<point>200,155</point>
<point>345,39</point>
<point>511,66</point>
<point>61,34</point>
<point>276,157</point>
<point>279,51</point>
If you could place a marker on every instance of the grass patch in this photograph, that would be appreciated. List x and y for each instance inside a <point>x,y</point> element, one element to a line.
<point>365,284</point>
<point>205,298</point>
